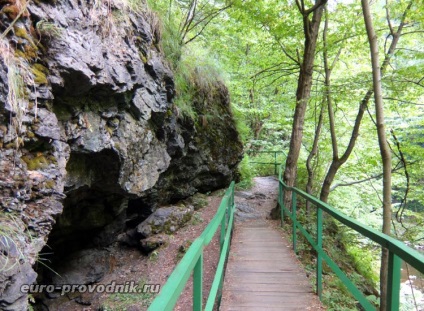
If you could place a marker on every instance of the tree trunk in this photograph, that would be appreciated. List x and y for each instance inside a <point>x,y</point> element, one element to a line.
<point>304,85</point>
<point>384,147</point>
<point>338,162</point>
<point>312,154</point>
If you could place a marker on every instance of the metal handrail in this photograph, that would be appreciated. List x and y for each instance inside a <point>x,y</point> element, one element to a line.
<point>193,262</point>
<point>398,251</point>
<point>275,163</point>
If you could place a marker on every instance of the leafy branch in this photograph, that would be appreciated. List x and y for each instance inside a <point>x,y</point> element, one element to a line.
<point>198,16</point>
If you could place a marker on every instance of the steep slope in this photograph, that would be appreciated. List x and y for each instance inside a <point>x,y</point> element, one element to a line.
<point>91,142</point>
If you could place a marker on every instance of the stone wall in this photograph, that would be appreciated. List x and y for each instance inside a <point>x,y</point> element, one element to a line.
<point>88,131</point>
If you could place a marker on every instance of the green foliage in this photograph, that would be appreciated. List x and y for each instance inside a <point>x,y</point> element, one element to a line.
<point>342,246</point>
<point>364,259</point>
<point>199,200</point>
<point>196,72</point>
<point>196,219</point>
<point>170,43</point>
<point>263,163</point>
<point>259,46</point>
<point>247,173</point>
<point>243,129</point>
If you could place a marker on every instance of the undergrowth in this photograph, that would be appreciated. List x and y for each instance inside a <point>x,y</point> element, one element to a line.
<point>355,260</point>
<point>18,76</point>
<point>266,169</point>
<point>196,72</point>
<point>247,173</point>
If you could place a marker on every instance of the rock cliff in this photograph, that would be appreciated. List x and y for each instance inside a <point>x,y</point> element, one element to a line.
<point>90,140</point>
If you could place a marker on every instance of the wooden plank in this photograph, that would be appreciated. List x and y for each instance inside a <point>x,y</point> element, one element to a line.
<point>266,287</point>
<point>263,273</point>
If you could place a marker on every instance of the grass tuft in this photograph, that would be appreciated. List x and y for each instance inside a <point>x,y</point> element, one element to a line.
<point>19,76</point>
<point>11,244</point>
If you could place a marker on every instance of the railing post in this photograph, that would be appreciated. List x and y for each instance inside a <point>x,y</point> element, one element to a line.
<point>275,163</point>
<point>281,200</point>
<point>294,218</point>
<point>319,256</point>
<point>198,284</point>
<point>393,282</point>
<point>223,225</point>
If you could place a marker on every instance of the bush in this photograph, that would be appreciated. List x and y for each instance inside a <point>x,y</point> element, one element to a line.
<point>246,173</point>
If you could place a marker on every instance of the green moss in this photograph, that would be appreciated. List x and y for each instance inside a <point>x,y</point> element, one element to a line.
<point>21,33</point>
<point>39,72</point>
<point>117,146</point>
<point>109,130</point>
<point>10,145</point>
<point>20,54</point>
<point>143,58</point>
<point>50,184</point>
<point>52,159</point>
<point>186,218</point>
<point>31,51</point>
<point>35,163</point>
<point>41,68</point>
<point>198,201</point>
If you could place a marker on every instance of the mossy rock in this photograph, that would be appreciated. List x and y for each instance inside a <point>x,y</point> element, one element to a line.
<point>40,74</point>
<point>153,242</point>
<point>199,200</point>
<point>31,52</point>
<point>165,220</point>
<point>36,163</point>
<point>50,184</point>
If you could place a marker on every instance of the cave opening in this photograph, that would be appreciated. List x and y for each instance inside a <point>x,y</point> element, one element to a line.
<point>94,214</point>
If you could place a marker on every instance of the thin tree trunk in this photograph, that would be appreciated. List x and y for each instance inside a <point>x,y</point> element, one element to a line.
<point>385,152</point>
<point>311,29</point>
<point>338,162</point>
<point>312,154</point>
<point>327,70</point>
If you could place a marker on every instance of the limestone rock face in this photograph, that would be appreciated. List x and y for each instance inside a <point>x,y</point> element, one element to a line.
<point>90,140</point>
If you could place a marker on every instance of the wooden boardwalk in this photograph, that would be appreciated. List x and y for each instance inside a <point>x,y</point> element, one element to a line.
<point>263,272</point>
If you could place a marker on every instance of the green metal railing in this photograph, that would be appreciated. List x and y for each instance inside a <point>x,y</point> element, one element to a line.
<point>275,163</point>
<point>193,262</point>
<point>398,251</point>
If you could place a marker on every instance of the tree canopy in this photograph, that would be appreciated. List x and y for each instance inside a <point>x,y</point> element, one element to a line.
<point>310,59</point>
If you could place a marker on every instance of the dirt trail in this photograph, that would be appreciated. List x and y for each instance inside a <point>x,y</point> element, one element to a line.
<point>258,201</point>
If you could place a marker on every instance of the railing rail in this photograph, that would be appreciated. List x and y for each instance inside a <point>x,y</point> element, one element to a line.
<point>275,163</point>
<point>398,251</point>
<point>193,262</point>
